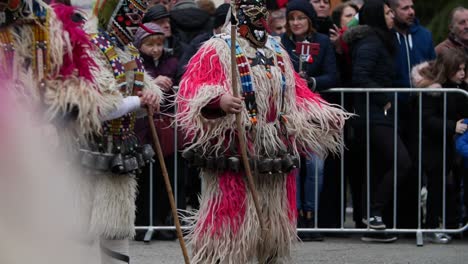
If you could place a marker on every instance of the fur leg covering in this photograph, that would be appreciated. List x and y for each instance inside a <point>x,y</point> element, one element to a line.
<point>226,228</point>
<point>113,212</point>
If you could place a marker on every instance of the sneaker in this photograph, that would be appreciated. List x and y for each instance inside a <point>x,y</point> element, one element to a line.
<point>375,222</point>
<point>438,238</point>
<point>379,237</point>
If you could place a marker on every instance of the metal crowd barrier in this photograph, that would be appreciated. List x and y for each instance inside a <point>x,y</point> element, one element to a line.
<point>419,231</point>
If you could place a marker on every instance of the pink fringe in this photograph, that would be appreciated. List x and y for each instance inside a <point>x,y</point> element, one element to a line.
<point>229,209</point>
<point>303,93</point>
<point>291,194</point>
<point>203,69</point>
<point>80,60</point>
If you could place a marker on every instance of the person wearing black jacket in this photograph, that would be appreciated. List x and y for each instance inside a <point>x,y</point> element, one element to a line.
<point>188,21</point>
<point>447,71</point>
<point>195,44</point>
<point>372,67</point>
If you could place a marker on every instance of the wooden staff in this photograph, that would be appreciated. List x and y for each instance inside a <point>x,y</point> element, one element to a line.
<point>159,152</point>
<point>240,127</point>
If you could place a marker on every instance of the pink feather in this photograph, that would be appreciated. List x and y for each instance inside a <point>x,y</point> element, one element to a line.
<point>79,61</point>
<point>291,195</point>
<point>303,93</point>
<point>229,210</point>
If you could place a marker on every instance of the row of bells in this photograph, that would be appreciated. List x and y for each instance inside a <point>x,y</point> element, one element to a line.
<point>283,164</point>
<point>118,163</point>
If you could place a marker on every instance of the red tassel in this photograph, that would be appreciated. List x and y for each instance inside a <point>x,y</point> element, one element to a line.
<point>310,59</point>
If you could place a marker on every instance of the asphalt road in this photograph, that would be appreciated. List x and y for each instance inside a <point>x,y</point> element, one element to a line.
<point>332,250</point>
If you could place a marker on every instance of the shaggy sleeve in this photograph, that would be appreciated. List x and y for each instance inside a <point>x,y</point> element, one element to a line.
<point>205,80</point>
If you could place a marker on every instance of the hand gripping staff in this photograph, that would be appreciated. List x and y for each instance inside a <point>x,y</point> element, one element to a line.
<point>240,127</point>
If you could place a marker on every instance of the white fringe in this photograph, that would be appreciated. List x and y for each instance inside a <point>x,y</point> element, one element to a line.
<point>113,205</point>
<point>249,244</point>
<point>315,127</point>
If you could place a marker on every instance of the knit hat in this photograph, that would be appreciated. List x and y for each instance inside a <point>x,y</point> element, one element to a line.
<point>146,30</point>
<point>220,15</point>
<point>305,7</point>
<point>155,12</point>
<point>184,4</point>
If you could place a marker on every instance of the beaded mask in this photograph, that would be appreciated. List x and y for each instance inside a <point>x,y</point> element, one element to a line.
<point>252,16</point>
<point>13,10</point>
<point>120,18</point>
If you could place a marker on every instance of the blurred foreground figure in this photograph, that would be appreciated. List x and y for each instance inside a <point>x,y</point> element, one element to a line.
<point>37,190</point>
<point>90,91</point>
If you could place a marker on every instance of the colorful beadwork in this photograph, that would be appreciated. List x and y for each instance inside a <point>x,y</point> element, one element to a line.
<point>139,77</point>
<point>8,49</point>
<point>280,62</point>
<point>246,80</point>
<point>39,23</point>
<point>122,127</point>
<point>109,51</point>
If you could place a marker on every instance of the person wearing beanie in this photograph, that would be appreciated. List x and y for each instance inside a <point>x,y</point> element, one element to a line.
<point>323,22</point>
<point>149,40</point>
<point>190,50</point>
<point>160,15</point>
<point>319,70</point>
<point>188,20</point>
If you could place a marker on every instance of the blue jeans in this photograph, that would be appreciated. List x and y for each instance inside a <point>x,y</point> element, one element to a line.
<point>306,179</point>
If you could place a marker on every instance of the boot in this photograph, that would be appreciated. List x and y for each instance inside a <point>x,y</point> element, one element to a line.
<point>301,224</point>
<point>310,223</point>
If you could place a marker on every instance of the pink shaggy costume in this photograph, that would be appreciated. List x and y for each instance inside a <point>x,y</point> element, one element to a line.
<point>226,228</point>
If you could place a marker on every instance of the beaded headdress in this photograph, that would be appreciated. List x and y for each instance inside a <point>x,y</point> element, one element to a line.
<point>252,16</point>
<point>249,2</point>
<point>14,10</point>
<point>120,18</point>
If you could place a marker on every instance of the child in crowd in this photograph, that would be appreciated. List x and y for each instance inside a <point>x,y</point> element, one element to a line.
<point>277,22</point>
<point>162,66</point>
<point>149,40</point>
<point>447,71</point>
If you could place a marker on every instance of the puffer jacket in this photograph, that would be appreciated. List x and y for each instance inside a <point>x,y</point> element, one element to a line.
<point>372,67</point>
<point>433,118</point>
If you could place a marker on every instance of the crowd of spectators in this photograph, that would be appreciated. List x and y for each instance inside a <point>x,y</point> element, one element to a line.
<point>361,44</point>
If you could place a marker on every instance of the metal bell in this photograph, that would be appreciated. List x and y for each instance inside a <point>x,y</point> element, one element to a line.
<point>265,165</point>
<point>87,159</point>
<point>252,163</point>
<point>210,163</point>
<point>189,155</point>
<point>117,165</point>
<point>233,164</point>
<point>287,163</point>
<point>148,152</point>
<point>277,165</point>
<point>102,162</point>
<point>141,160</point>
<point>221,163</point>
<point>296,162</point>
<point>198,161</point>
<point>130,163</point>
